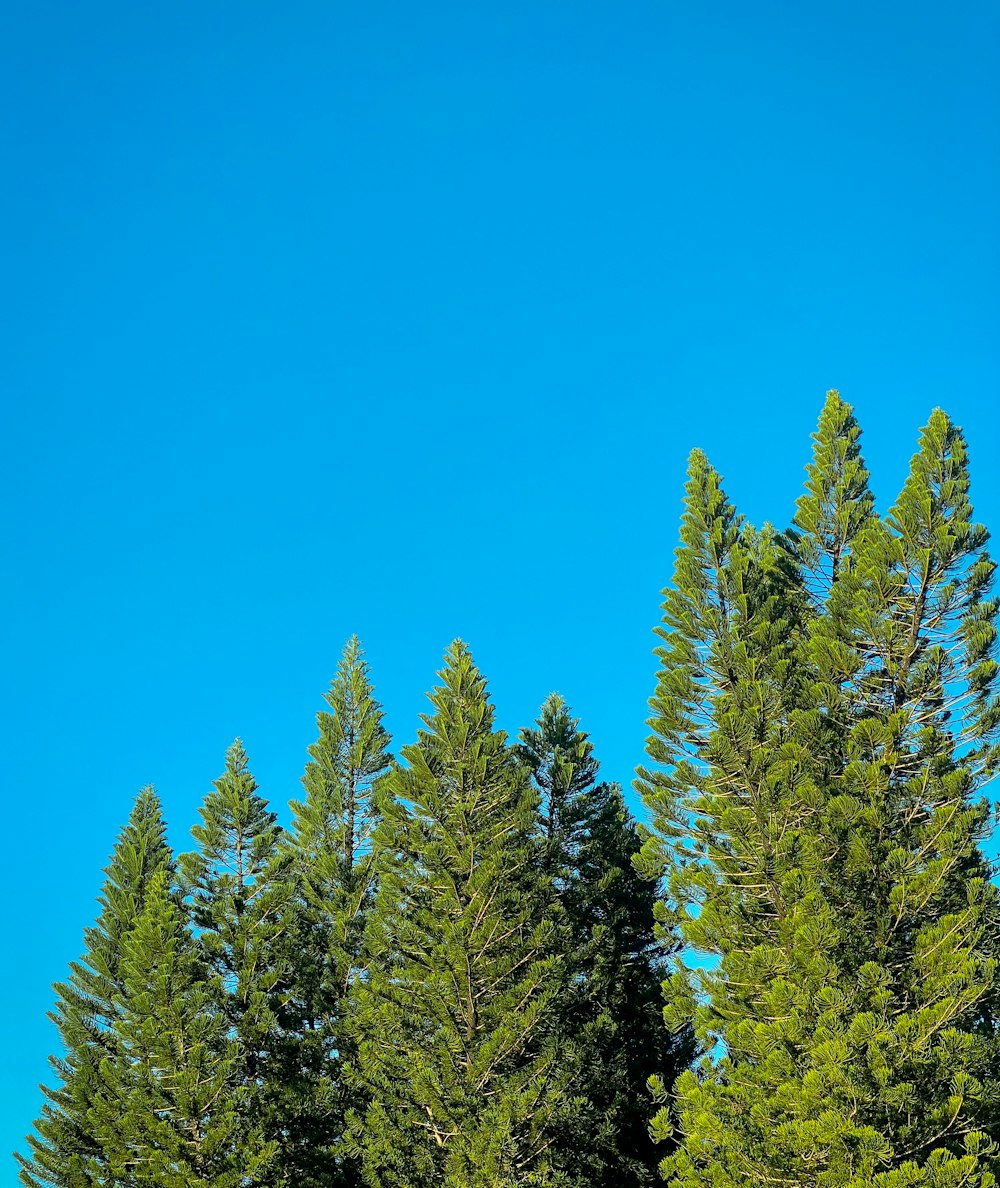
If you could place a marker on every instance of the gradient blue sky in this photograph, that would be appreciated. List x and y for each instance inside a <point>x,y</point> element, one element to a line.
<point>401,319</point>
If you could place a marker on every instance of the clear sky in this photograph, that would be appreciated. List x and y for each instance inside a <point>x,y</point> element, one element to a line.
<point>401,319</point>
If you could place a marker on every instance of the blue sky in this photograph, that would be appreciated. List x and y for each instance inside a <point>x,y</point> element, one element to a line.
<point>401,319</point>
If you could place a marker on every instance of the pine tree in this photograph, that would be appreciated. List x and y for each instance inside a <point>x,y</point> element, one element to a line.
<point>455,1021</point>
<point>174,1115</point>
<point>64,1150</point>
<point>610,1012</point>
<point>837,504</point>
<point>824,715</point>
<point>241,896</point>
<point>561,760</point>
<point>336,868</point>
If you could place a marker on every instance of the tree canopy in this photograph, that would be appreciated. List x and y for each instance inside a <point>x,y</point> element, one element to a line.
<point>473,963</point>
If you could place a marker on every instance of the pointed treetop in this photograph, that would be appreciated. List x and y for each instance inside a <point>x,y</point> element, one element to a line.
<point>145,825</point>
<point>238,829</point>
<point>558,753</point>
<point>935,496</point>
<point>140,851</point>
<point>461,697</point>
<point>236,788</point>
<point>146,808</point>
<point>339,813</point>
<point>710,522</point>
<point>88,1005</point>
<point>560,757</point>
<point>710,531</point>
<point>354,727</point>
<point>236,756</point>
<point>837,503</point>
<point>942,579</point>
<point>697,608</point>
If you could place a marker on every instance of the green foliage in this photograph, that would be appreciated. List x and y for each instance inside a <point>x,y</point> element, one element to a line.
<point>837,503</point>
<point>824,714</point>
<point>610,1009</point>
<point>241,899</point>
<point>455,1021</point>
<point>471,968</point>
<point>175,1112</point>
<point>561,760</point>
<point>336,868</point>
<point>334,826</point>
<point>65,1152</point>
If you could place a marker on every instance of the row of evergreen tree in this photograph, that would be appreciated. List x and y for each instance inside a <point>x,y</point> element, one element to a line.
<point>443,972</point>
<point>467,966</point>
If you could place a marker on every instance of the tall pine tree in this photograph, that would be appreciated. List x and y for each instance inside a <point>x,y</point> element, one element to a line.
<point>64,1151</point>
<point>610,1015</point>
<point>241,897</point>
<point>457,1046</point>
<point>561,760</point>
<point>175,1114</point>
<point>824,714</point>
<point>336,869</point>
